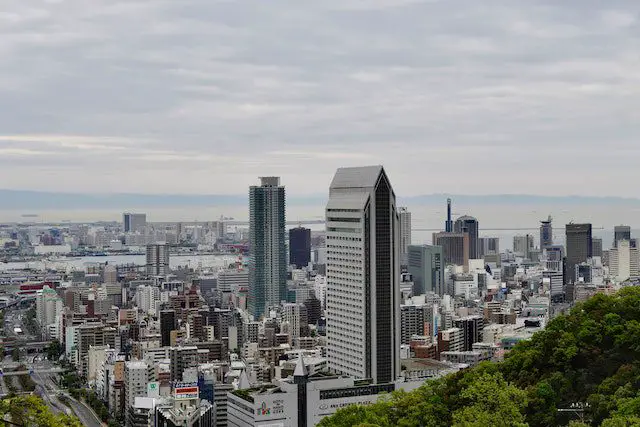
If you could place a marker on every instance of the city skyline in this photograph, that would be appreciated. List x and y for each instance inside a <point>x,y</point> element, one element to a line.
<point>219,92</point>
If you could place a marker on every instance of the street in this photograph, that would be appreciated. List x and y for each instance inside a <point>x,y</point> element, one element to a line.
<point>43,372</point>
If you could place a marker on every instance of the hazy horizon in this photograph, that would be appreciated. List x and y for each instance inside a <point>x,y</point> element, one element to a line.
<point>539,97</point>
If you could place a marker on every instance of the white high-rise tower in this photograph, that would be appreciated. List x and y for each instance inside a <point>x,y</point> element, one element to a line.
<point>405,233</point>
<point>363,271</point>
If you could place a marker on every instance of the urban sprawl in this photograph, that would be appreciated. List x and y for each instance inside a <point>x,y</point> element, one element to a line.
<point>220,323</point>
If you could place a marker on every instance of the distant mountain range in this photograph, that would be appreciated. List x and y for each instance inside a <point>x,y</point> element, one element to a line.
<point>18,199</point>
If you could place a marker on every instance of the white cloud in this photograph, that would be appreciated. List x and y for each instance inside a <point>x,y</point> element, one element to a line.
<point>205,96</point>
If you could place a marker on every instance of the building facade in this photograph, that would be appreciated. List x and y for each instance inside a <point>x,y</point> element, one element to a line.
<point>405,233</point>
<point>579,250</point>
<point>469,225</point>
<point>363,273</point>
<point>426,266</point>
<point>134,222</point>
<point>267,256</point>
<point>300,247</point>
<point>158,259</point>
<point>546,233</point>
<point>455,247</point>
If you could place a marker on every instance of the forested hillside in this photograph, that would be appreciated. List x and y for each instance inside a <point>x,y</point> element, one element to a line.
<point>590,357</point>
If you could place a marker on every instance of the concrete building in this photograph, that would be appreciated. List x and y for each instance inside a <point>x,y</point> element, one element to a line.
<point>414,321</point>
<point>523,245</point>
<point>229,279</point>
<point>303,400</point>
<point>300,247</point>
<point>92,334</point>
<point>455,247</point>
<point>546,233</point>
<point>158,259</point>
<point>451,339</point>
<point>267,251</point>
<point>596,244</point>
<point>134,222</point>
<point>363,274</point>
<point>295,315</point>
<point>471,330</point>
<point>624,261</point>
<point>621,232</point>
<point>469,225</point>
<point>148,299</point>
<point>137,376</point>
<point>489,246</point>
<point>404,217</point>
<point>48,306</point>
<point>426,266</point>
<point>182,410</point>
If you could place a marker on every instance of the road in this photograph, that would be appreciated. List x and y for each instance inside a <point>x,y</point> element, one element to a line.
<point>84,413</point>
<point>44,373</point>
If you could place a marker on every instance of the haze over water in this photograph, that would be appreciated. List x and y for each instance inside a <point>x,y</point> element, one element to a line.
<point>425,218</point>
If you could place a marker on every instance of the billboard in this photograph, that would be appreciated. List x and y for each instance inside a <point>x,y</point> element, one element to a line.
<point>186,392</point>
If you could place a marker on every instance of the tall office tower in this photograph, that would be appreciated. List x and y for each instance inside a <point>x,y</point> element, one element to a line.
<point>624,261</point>
<point>300,247</point>
<point>546,233</point>
<point>621,232</point>
<point>469,225</point>
<point>363,275</point>
<point>167,324</point>
<point>455,247</point>
<point>405,233</point>
<point>158,259</point>
<point>489,246</point>
<point>579,250</point>
<point>267,256</point>
<point>596,244</point>
<point>523,245</point>
<point>448,224</point>
<point>426,266</point>
<point>133,222</point>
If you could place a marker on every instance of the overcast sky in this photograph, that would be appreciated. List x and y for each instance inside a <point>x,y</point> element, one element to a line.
<point>204,96</point>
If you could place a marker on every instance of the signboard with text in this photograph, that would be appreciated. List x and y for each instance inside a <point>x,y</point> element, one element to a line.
<point>185,393</point>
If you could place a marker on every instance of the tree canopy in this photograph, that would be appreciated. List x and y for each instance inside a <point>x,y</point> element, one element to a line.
<point>31,411</point>
<point>589,358</point>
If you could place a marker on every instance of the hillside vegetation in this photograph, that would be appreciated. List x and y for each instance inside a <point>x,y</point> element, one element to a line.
<point>590,357</point>
<point>31,411</point>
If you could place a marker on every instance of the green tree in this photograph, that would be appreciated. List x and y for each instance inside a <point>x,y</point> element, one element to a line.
<point>15,354</point>
<point>32,411</point>
<point>54,350</point>
<point>490,401</point>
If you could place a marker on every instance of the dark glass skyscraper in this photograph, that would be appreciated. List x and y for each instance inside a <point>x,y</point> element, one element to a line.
<point>167,324</point>
<point>621,232</point>
<point>579,250</point>
<point>267,251</point>
<point>299,246</point>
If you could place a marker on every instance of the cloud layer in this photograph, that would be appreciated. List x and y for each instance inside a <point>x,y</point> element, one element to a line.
<point>204,96</point>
